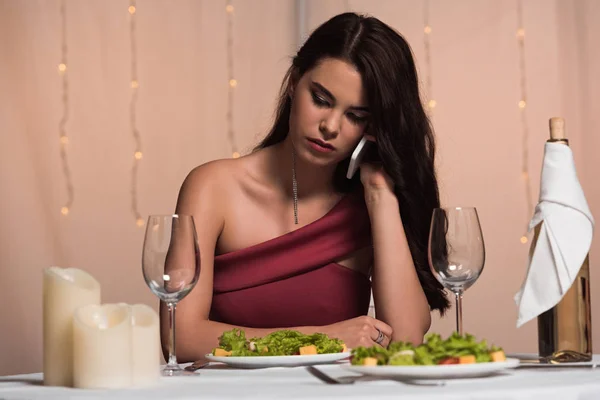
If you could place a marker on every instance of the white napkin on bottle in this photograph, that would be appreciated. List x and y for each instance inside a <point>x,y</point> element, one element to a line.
<point>565,235</point>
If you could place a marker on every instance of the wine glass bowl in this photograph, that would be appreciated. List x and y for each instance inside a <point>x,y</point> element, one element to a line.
<point>173,286</point>
<point>456,251</point>
<point>457,276</point>
<point>171,268</point>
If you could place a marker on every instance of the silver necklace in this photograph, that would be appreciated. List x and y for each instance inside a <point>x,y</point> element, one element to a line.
<point>294,186</point>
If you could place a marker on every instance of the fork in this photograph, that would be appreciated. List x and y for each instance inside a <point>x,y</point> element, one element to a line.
<point>559,357</point>
<point>196,365</point>
<point>349,380</point>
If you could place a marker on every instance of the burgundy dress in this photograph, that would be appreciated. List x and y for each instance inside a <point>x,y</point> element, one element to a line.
<point>293,280</point>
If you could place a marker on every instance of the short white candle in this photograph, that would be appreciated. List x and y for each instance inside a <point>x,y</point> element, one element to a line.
<point>145,345</point>
<point>102,346</point>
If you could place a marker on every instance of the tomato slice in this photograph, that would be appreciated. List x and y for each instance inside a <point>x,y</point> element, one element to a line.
<point>448,360</point>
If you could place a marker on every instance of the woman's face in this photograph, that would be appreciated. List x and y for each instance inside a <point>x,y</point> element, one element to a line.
<point>329,112</point>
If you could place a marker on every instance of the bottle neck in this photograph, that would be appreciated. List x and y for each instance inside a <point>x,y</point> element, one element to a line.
<point>557,131</point>
<point>564,141</point>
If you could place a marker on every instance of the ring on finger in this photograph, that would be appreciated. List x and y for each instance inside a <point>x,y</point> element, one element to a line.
<point>380,337</point>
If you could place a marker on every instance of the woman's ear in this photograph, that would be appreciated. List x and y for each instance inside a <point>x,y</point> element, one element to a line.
<point>368,134</point>
<point>294,78</point>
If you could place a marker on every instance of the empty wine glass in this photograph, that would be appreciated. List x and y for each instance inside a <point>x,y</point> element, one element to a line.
<point>171,266</point>
<point>456,251</point>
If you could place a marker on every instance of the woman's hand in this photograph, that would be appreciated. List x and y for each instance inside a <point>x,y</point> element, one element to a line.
<point>360,331</point>
<point>374,178</point>
<point>376,182</point>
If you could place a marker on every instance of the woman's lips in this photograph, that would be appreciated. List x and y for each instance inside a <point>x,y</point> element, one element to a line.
<point>321,146</point>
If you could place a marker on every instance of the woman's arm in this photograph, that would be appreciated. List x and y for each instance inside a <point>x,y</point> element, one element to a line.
<point>202,195</point>
<point>399,298</point>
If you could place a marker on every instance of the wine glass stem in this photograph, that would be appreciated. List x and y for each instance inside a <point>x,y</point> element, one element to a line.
<point>459,322</point>
<point>172,362</point>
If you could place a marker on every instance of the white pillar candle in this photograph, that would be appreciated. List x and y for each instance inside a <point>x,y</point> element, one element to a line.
<point>145,343</point>
<point>102,346</point>
<point>64,290</point>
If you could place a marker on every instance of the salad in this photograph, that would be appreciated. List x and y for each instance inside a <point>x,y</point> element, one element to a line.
<point>279,343</point>
<point>456,349</point>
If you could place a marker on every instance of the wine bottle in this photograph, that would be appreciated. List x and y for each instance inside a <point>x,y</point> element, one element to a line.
<point>566,328</point>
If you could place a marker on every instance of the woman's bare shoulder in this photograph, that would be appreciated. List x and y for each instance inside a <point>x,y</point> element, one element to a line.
<point>211,182</point>
<point>212,172</point>
<point>208,176</point>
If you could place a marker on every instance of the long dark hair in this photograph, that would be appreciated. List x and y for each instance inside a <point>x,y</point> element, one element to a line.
<point>398,121</point>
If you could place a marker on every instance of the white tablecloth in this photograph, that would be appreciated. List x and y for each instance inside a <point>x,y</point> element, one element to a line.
<point>217,382</point>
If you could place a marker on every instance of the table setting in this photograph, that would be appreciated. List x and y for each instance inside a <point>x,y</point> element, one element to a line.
<point>217,381</point>
<point>111,351</point>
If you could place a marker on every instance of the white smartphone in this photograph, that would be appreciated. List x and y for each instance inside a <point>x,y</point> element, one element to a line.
<point>357,156</point>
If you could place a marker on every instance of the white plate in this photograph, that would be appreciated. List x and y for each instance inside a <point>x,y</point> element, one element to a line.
<point>435,371</point>
<point>279,361</point>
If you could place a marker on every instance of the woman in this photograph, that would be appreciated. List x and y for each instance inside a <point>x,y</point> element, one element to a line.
<point>286,240</point>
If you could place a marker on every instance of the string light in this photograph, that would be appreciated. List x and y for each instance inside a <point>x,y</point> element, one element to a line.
<point>427,42</point>
<point>134,84</point>
<point>522,104</point>
<point>233,83</point>
<point>62,130</point>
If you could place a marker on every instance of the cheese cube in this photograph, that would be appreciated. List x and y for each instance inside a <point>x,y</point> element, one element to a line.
<point>470,359</point>
<point>308,350</point>
<point>370,362</point>
<point>221,353</point>
<point>498,356</point>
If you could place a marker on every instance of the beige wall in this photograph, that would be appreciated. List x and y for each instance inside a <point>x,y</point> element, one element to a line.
<point>181,117</point>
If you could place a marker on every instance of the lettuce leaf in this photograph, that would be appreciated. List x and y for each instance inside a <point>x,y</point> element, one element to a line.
<point>431,352</point>
<point>279,343</point>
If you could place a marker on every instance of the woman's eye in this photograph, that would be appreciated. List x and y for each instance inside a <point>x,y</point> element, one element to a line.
<point>357,119</point>
<point>318,100</point>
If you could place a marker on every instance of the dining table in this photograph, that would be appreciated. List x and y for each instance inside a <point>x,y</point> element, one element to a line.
<point>220,381</point>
